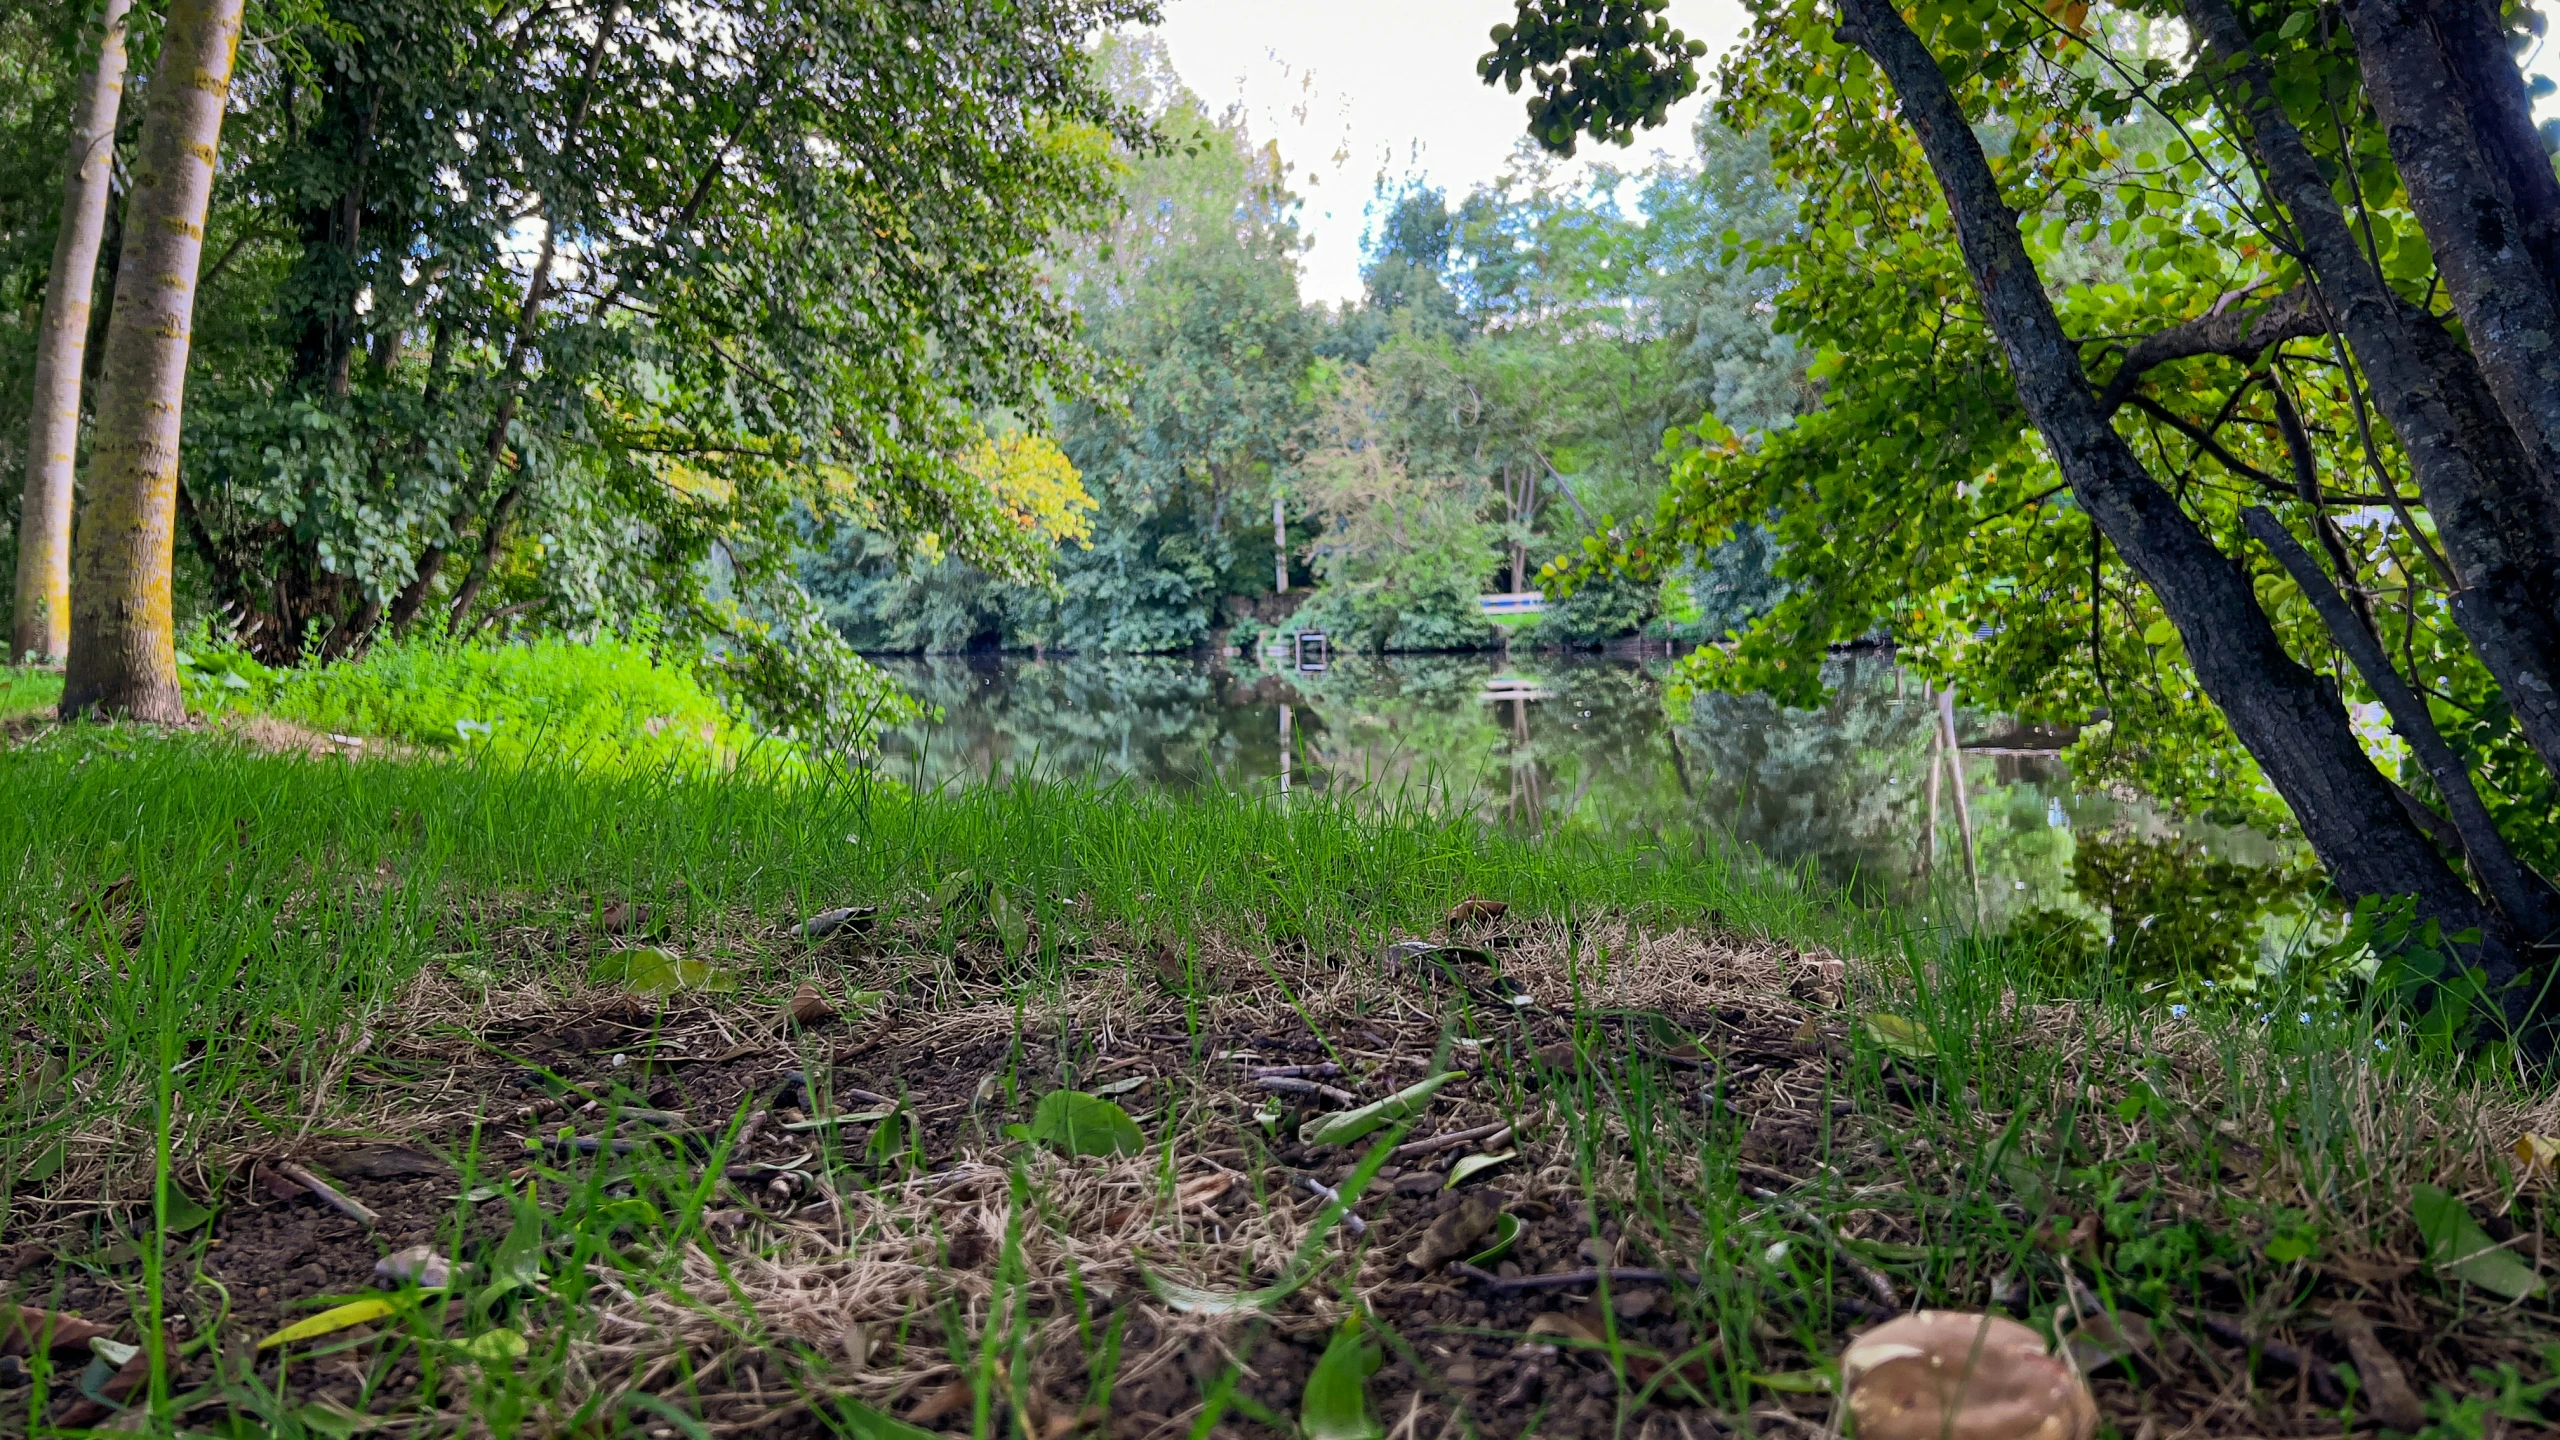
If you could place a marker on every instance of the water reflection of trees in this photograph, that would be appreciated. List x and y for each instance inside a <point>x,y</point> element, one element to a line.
<point>1146,718</point>
<point>1839,788</point>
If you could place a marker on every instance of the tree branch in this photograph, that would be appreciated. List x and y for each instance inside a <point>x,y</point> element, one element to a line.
<point>2238,332</point>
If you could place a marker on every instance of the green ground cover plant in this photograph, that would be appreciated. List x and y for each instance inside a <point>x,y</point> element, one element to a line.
<point>604,705</point>
<point>717,1104</point>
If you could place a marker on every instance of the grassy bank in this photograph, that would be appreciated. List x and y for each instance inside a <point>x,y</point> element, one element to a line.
<point>455,991</point>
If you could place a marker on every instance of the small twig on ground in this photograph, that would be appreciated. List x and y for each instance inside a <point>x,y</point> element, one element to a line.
<point>2232,1332</point>
<point>330,1195</point>
<point>1325,1071</point>
<point>1571,1279</point>
<point>1868,1275</point>
<point>1350,1220</point>
<point>1453,1139</point>
<point>1290,1086</point>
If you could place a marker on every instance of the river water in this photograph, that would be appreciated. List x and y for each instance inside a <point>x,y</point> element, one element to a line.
<point>1547,742</point>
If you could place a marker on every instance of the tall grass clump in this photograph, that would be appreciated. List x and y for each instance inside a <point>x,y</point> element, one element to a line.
<point>607,705</point>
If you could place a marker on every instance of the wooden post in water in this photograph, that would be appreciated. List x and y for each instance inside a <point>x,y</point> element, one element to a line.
<point>1929,832</point>
<point>1284,749</point>
<point>1955,776</point>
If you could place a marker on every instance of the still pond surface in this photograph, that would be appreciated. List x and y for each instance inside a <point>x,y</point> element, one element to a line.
<point>1547,742</point>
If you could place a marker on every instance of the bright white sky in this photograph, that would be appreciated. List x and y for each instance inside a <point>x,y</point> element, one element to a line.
<point>1353,89</point>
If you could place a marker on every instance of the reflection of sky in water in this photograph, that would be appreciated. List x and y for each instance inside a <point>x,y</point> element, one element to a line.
<point>1546,742</point>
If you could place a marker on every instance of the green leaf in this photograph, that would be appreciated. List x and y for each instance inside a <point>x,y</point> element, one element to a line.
<point>1336,1403</point>
<point>1475,1165</point>
<point>182,1213</point>
<point>865,1423</point>
<point>518,1263</point>
<point>1907,1038</point>
<point>2294,24</point>
<point>330,1322</point>
<point>2457,1246</point>
<point>1506,1233</point>
<point>649,970</point>
<point>1350,1125</point>
<point>1796,1382</point>
<point>492,1346</point>
<point>1082,1124</point>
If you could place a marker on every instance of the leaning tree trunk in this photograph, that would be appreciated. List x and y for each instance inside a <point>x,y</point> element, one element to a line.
<point>2499,530</point>
<point>43,625</point>
<point>2290,719</point>
<point>123,653</point>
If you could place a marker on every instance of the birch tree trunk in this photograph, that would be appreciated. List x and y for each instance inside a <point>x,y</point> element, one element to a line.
<point>42,629</point>
<point>123,658</point>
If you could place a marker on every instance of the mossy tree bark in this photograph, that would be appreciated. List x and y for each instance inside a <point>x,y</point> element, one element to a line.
<point>42,629</point>
<point>123,658</point>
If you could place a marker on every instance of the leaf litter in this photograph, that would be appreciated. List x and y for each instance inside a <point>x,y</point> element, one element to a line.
<point>934,1241</point>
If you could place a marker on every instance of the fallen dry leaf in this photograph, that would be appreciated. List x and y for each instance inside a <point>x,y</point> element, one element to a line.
<point>1951,1375</point>
<point>22,1328</point>
<point>2387,1396</point>
<point>129,1377</point>
<point>2537,1152</point>
<point>1477,910</point>
<point>949,1400</point>
<point>1191,1194</point>
<point>1456,1233</point>
<point>809,1005</point>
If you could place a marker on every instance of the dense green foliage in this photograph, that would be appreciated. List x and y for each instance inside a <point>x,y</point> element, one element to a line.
<point>1502,390</point>
<point>1918,501</point>
<point>575,317</point>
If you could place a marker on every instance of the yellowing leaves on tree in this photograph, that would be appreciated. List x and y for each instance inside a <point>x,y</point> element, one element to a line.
<point>1035,482</point>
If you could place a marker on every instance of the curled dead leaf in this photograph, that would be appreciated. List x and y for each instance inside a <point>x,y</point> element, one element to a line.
<point>1455,1234</point>
<point>1477,910</point>
<point>1953,1375</point>
<point>809,1005</point>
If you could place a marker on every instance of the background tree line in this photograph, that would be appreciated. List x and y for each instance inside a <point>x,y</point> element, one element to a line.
<point>1500,392</point>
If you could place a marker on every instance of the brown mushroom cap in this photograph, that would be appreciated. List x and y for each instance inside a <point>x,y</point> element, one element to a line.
<point>1950,1375</point>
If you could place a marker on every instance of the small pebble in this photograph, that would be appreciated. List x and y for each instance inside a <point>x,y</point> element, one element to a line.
<point>1635,1304</point>
<point>1601,1384</point>
<point>1462,1372</point>
<point>1420,1182</point>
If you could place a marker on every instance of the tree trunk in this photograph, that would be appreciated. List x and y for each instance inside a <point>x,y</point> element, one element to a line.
<point>43,626</point>
<point>2525,898</point>
<point>123,652</point>
<point>2289,718</point>
<point>2510,313</point>
<point>2499,533</point>
<point>2501,112</point>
